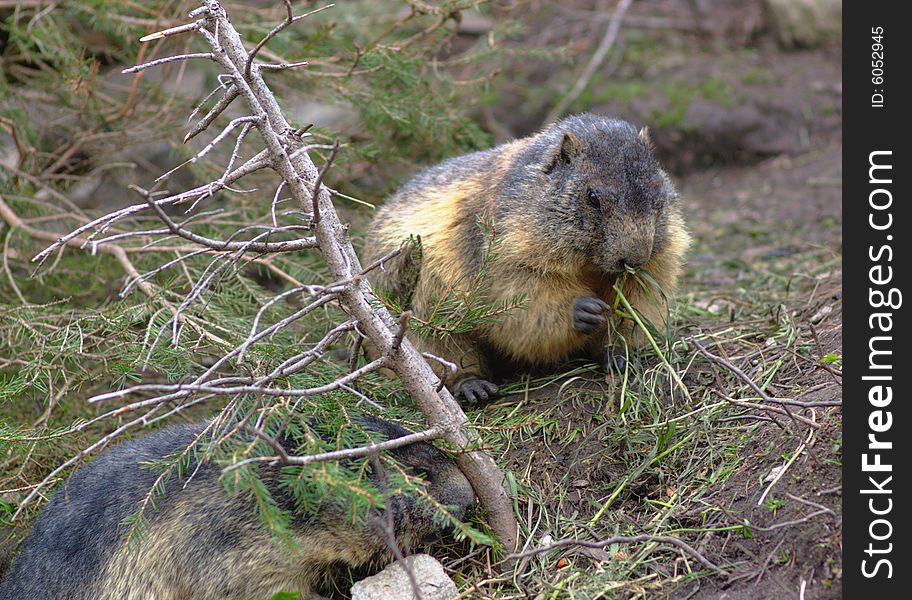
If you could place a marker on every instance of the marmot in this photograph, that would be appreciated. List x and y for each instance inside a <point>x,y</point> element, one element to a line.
<point>569,210</point>
<point>199,542</point>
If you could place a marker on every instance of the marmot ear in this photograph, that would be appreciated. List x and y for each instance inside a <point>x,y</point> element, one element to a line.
<point>644,135</point>
<point>571,147</point>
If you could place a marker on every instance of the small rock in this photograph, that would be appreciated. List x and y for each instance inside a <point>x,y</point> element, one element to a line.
<point>393,583</point>
<point>821,314</point>
<point>806,23</point>
<point>773,474</point>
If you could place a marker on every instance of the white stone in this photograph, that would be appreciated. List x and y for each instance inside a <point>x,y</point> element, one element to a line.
<point>393,583</point>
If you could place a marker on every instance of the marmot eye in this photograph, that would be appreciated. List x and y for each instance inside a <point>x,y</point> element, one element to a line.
<point>593,199</point>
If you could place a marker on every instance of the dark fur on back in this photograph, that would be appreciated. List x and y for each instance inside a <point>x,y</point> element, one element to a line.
<point>80,525</point>
<point>200,542</point>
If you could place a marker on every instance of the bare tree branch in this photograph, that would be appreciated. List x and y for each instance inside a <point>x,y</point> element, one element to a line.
<point>348,453</point>
<point>287,153</point>
<point>165,60</point>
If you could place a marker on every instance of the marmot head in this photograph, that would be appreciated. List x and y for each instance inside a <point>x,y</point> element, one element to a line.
<point>598,193</point>
<point>416,520</point>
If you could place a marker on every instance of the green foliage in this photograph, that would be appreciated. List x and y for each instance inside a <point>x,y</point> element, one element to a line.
<point>392,72</point>
<point>466,305</point>
<point>832,359</point>
<point>413,114</point>
<point>774,504</point>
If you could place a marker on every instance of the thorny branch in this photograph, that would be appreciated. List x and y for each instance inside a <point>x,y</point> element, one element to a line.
<point>285,153</point>
<point>102,224</point>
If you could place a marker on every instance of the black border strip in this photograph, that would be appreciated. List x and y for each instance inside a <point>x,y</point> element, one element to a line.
<point>877,235</point>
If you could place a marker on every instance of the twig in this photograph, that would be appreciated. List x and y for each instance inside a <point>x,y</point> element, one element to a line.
<point>248,246</point>
<point>744,377</point>
<point>382,260</point>
<point>389,527</point>
<point>183,390</point>
<point>769,557</point>
<point>786,466</point>
<point>769,409</point>
<point>318,183</point>
<point>451,367</point>
<point>224,133</point>
<point>167,59</point>
<point>635,539</point>
<point>810,503</point>
<point>170,31</point>
<point>218,108</point>
<point>836,374</point>
<point>104,441</point>
<point>283,66</point>
<point>289,19</point>
<point>102,223</point>
<point>745,523</point>
<point>116,251</point>
<point>346,453</point>
<point>256,49</point>
<point>355,350</point>
<point>400,333</point>
<point>731,367</point>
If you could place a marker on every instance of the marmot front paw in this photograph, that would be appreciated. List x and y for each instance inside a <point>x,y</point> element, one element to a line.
<point>474,391</point>
<point>589,314</point>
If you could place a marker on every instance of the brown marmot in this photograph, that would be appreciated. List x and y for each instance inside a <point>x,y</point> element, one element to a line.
<point>202,543</point>
<point>555,218</point>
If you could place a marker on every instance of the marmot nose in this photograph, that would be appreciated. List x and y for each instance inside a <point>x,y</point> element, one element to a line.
<point>636,257</point>
<point>633,262</point>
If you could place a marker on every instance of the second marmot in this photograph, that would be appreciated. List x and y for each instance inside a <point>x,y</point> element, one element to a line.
<point>201,542</point>
<point>569,210</point>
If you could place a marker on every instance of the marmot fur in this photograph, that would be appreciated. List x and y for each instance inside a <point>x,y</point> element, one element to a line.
<point>569,210</point>
<point>199,542</point>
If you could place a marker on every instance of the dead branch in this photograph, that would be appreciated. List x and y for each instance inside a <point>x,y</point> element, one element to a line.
<point>746,379</point>
<point>14,222</point>
<point>285,152</point>
<point>168,32</point>
<point>283,458</point>
<point>100,444</point>
<point>224,102</point>
<point>767,409</point>
<point>102,224</point>
<point>782,470</point>
<point>400,332</point>
<point>635,539</point>
<point>225,245</point>
<point>821,510</point>
<point>168,59</point>
<point>440,408</point>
